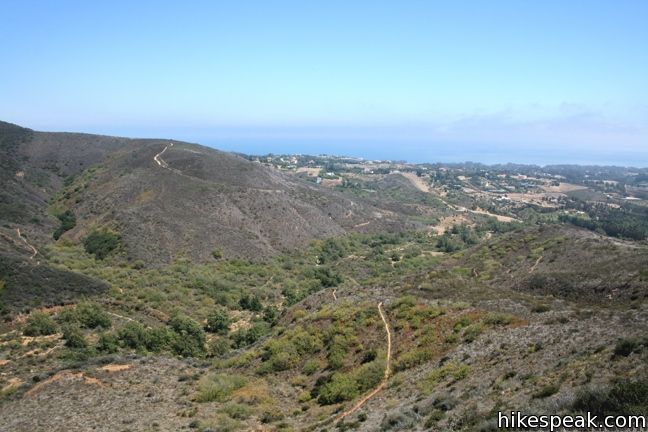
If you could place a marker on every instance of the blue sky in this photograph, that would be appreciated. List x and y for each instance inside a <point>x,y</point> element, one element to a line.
<point>493,81</point>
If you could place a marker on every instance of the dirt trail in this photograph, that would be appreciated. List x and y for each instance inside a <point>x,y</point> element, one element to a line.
<point>34,250</point>
<point>361,224</point>
<point>158,157</point>
<point>334,296</point>
<point>386,375</point>
<point>121,316</point>
<point>536,264</point>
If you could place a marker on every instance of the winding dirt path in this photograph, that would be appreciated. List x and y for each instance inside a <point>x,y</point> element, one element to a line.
<point>386,375</point>
<point>121,316</point>
<point>536,263</point>
<point>34,250</point>
<point>158,157</point>
<point>334,296</point>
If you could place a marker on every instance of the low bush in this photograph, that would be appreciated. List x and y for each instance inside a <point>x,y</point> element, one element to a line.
<point>74,337</point>
<point>245,337</point>
<point>132,335</point>
<point>625,347</point>
<point>546,391</point>
<point>236,410</point>
<point>39,324</point>
<point>456,371</point>
<point>108,343</point>
<point>189,338</point>
<point>623,398</point>
<point>219,346</point>
<point>101,243</point>
<point>218,321</point>
<point>219,387</point>
<point>340,388</point>
<point>251,302</point>
<point>91,315</point>
<point>540,308</point>
<point>67,222</point>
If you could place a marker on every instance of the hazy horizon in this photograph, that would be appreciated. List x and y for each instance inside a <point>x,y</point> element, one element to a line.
<point>500,81</point>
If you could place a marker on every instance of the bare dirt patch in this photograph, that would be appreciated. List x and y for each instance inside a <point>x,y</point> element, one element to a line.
<point>64,377</point>
<point>500,218</point>
<point>312,172</point>
<point>26,340</point>
<point>448,222</point>
<point>115,367</point>
<point>416,181</point>
<point>563,187</point>
<point>12,384</point>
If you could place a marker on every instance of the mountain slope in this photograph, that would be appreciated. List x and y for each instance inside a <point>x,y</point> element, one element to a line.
<point>166,199</point>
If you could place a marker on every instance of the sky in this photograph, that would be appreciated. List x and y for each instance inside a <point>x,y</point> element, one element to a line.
<point>425,81</point>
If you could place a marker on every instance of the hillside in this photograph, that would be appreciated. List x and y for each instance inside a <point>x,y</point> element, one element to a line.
<point>198,200</point>
<point>155,285</point>
<point>194,201</point>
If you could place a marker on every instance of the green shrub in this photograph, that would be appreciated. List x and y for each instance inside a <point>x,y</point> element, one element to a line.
<point>541,308</point>
<point>219,387</point>
<point>189,338</point>
<point>247,337</point>
<point>108,343</point>
<point>39,324</point>
<point>101,243</point>
<point>157,339</point>
<point>251,302</point>
<point>326,276</point>
<point>311,366</point>
<point>218,321</point>
<point>625,347</point>
<point>219,346</point>
<point>236,410</point>
<point>337,352</point>
<point>74,337</point>
<point>342,387</point>
<point>91,315</point>
<point>132,335</point>
<point>305,343</point>
<point>546,391</point>
<point>456,371</point>
<point>413,357</point>
<point>623,398</point>
<point>369,375</point>
<point>271,315</point>
<point>499,319</point>
<point>67,222</point>
<point>472,332</point>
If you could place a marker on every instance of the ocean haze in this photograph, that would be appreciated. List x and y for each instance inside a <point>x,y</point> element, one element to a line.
<point>431,152</point>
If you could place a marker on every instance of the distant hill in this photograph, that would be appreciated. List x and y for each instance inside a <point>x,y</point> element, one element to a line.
<point>167,198</point>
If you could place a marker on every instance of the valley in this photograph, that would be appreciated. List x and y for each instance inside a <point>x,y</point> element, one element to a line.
<point>157,285</point>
